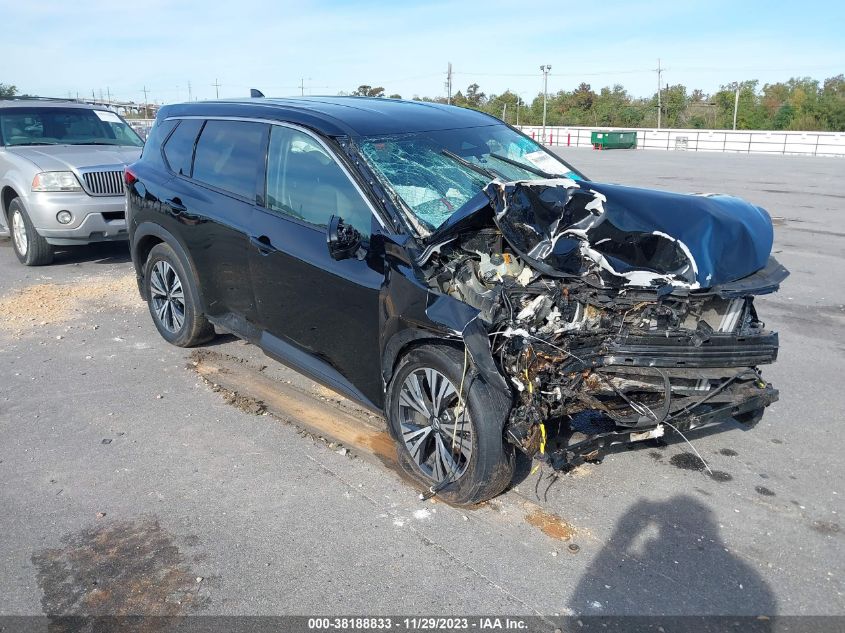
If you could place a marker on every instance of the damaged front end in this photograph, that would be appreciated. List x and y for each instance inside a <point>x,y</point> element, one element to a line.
<point>611,312</point>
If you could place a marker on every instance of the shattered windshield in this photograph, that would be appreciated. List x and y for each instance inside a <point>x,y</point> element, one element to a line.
<point>436,173</point>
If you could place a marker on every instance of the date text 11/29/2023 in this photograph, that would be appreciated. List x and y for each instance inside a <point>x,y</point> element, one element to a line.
<point>422,623</point>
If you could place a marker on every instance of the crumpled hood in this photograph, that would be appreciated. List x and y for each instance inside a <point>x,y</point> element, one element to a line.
<point>630,236</point>
<point>72,157</point>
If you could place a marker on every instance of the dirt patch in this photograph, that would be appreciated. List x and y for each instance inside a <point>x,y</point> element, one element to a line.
<point>120,569</point>
<point>720,475</point>
<point>246,404</point>
<point>550,524</point>
<point>825,527</point>
<point>762,490</point>
<point>250,390</point>
<point>728,452</point>
<point>25,311</point>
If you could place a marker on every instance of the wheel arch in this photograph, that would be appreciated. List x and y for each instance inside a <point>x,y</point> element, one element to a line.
<point>6,196</point>
<point>144,239</point>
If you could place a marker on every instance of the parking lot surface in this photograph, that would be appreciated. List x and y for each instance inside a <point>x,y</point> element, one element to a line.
<point>137,477</point>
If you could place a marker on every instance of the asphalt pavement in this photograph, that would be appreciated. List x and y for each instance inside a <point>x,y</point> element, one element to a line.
<point>130,484</point>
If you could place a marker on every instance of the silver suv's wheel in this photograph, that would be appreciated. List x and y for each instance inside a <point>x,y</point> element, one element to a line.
<point>30,248</point>
<point>436,428</point>
<point>19,232</point>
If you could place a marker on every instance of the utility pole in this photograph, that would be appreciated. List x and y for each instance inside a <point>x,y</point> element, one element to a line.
<point>545,68</point>
<point>302,86</point>
<point>146,111</point>
<point>518,99</point>
<point>659,72</point>
<point>189,91</point>
<point>449,84</point>
<point>736,104</point>
<point>216,85</point>
<point>108,92</point>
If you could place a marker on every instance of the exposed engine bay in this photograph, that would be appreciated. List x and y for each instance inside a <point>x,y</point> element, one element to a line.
<point>607,326</point>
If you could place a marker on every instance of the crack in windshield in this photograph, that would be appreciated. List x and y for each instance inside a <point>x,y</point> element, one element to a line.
<point>434,174</point>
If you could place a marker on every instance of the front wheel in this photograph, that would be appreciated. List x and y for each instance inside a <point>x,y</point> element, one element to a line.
<point>30,248</point>
<point>173,300</point>
<point>448,441</point>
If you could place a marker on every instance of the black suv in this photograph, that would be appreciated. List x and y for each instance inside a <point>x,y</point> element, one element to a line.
<point>444,269</point>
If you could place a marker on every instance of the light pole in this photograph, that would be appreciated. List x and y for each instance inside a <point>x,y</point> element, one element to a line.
<point>545,68</point>
<point>736,104</point>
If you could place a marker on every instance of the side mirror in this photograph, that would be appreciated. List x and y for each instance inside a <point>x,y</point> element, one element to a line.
<point>344,240</point>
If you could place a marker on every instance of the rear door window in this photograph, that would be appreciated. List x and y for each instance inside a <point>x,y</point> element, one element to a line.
<point>179,148</point>
<point>229,156</point>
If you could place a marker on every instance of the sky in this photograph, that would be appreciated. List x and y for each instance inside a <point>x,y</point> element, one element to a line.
<point>284,48</point>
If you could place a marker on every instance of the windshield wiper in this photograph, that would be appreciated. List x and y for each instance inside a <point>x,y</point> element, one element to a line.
<point>487,173</point>
<point>529,168</point>
<point>33,143</point>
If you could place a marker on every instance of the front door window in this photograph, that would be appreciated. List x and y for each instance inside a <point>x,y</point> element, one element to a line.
<point>305,182</point>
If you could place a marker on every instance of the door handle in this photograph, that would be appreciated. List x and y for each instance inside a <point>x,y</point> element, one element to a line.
<point>176,205</point>
<point>263,244</point>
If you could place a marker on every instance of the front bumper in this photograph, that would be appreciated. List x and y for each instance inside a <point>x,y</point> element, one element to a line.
<point>95,219</point>
<point>741,403</point>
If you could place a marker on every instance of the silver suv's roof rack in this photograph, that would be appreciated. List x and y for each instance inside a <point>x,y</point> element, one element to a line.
<point>33,98</point>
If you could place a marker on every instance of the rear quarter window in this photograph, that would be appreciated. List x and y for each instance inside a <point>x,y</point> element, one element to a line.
<point>228,156</point>
<point>179,148</point>
<point>152,148</point>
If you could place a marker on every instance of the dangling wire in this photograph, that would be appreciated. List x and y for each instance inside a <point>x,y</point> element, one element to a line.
<point>435,488</point>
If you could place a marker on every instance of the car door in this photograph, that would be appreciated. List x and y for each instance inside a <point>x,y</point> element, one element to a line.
<point>215,201</point>
<point>318,314</point>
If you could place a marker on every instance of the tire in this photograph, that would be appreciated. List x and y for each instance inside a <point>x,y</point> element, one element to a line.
<point>481,465</point>
<point>173,299</point>
<point>30,248</point>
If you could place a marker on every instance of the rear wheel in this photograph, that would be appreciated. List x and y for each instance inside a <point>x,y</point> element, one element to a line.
<point>447,442</point>
<point>173,300</point>
<point>30,248</point>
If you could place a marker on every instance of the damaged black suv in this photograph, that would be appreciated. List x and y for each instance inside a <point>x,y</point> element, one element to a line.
<point>445,270</point>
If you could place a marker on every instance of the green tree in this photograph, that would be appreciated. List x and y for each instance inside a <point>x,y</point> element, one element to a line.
<point>832,103</point>
<point>368,91</point>
<point>474,97</point>
<point>7,90</point>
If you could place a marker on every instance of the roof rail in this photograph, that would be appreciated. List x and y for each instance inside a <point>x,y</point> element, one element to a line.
<point>34,98</point>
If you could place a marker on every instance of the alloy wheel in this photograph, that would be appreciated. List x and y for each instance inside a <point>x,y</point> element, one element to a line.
<point>435,425</point>
<point>19,232</point>
<point>167,296</point>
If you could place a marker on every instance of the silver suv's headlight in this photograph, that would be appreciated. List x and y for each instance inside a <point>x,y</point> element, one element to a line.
<point>56,181</point>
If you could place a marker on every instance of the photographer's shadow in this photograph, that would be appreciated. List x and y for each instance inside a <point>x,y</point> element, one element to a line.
<point>667,558</point>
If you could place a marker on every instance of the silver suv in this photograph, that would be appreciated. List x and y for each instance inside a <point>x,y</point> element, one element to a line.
<point>61,175</point>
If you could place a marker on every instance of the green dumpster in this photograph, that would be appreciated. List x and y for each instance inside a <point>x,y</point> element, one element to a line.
<point>603,139</point>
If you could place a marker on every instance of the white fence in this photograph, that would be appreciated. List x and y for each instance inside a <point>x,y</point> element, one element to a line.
<point>739,141</point>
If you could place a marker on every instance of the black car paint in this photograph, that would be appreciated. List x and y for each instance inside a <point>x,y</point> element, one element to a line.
<point>237,250</point>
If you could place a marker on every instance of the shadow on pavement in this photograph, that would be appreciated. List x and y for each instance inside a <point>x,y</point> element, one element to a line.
<point>666,558</point>
<point>97,253</point>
